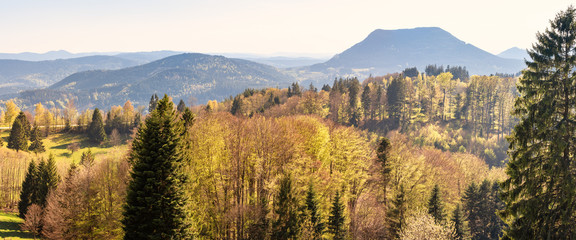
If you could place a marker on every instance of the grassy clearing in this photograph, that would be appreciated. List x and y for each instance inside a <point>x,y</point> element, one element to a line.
<point>10,227</point>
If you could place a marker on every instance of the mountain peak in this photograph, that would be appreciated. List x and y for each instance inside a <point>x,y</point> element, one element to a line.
<point>515,53</point>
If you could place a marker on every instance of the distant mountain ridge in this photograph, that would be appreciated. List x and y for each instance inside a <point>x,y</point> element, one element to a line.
<point>204,77</point>
<point>388,51</point>
<point>515,53</point>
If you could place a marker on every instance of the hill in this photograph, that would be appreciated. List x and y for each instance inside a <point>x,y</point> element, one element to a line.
<point>17,75</point>
<point>515,53</point>
<point>200,76</point>
<point>388,51</point>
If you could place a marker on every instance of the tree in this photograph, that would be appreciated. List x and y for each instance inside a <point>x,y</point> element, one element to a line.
<point>153,103</point>
<point>33,220</point>
<point>181,106</point>
<point>435,205</point>
<point>36,144</point>
<point>541,186</point>
<point>96,131</point>
<point>48,179</point>
<point>421,225</point>
<point>313,220</point>
<point>286,224</point>
<point>236,106</point>
<point>366,101</point>
<point>87,158</point>
<point>397,214</point>
<point>18,138</point>
<point>396,94</point>
<point>461,230</point>
<point>188,117</point>
<point>29,192</point>
<point>156,204</point>
<point>11,111</point>
<point>382,158</point>
<point>336,219</point>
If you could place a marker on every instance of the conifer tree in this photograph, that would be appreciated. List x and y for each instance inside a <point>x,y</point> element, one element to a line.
<point>36,144</point>
<point>156,204</point>
<point>337,218</point>
<point>286,224</point>
<point>25,123</point>
<point>461,230</point>
<point>48,179</point>
<point>188,117</point>
<point>540,193</point>
<point>181,106</point>
<point>87,158</point>
<point>236,106</point>
<point>28,194</point>
<point>312,213</point>
<point>366,101</point>
<point>397,214</point>
<point>382,154</point>
<point>18,138</point>
<point>396,96</point>
<point>435,205</point>
<point>153,103</point>
<point>96,131</point>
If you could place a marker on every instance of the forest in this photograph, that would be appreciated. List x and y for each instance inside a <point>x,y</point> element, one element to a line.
<point>436,154</point>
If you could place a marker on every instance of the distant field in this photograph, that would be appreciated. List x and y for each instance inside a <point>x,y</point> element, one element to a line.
<point>10,227</point>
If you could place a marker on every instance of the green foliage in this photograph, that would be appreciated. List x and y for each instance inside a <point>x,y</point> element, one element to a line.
<point>541,188</point>
<point>236,106</point>
<point>87,158</point>
<point>398,213</point>
<point>181,106</point>
<point>435,205</point>
<point>480,207</point>
<point>96,131</point>
<point>18,139</point>
<point>36,144</point>
<point>28,194</point>
<point>287,222</point>
<point>156,205</point>
<point>312,215</point>
<point>335,224</point>
<point>48,179</point>
<point>396,94</point>
<point>153,103</point>
<point>461,231</point>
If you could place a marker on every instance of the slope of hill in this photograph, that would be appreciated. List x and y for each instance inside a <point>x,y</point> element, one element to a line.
<point>515,53</point>
<point>201,76</point>
<point>386,51</point>
<point>16,75</point>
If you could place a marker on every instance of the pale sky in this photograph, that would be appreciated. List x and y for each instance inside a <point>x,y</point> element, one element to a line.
<point>289,27</point>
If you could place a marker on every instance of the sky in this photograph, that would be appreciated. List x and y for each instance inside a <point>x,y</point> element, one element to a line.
<point>314,28</point>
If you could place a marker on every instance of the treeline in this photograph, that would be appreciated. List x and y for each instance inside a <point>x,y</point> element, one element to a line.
<point>439,111</point>
<point>283,177</point>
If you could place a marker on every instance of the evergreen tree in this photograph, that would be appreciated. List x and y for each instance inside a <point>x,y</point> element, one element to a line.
<point>286,224</point>
<point>366,101</point>
<point>188,117</point>
<point>48,179</point>
<point>337,218</point>
<point>156,203</point>
<point>181,106</point>
<point>36,146</point>
<point>96,131</point>
<point>312,213</point>
<point>540,193</point>
<point>137,119</point>
<point>396,94</point>
<point>435,205</point>
<point>153,103</point>
<point>382,153</point>
<point>18,139</point>
<point>236,106</point>
<point>25,123</point>
<point>461,230</point>
<point>28,194</point>
<point>397,214</point>
<point>87,158</point>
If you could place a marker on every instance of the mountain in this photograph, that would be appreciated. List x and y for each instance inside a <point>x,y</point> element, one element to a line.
<point>286,62</point>
<point>515,53</point>
<point>17,75</point>
<point>387,51</point>
<point>52,55</point>
<point>146,57</point>
<point>204,77</point>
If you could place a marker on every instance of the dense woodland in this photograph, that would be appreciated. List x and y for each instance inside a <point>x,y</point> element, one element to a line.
<point>404,156</point>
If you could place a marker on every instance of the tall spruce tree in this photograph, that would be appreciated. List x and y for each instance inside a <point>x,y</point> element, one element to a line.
<point>156,204</point>
<point>540,192</point>
<point>153,103</point>
<point>313,214</point>
<point>461,230</point>
<point>336,219</point>
<point>181,106</point>
<point>29,191</point>
<point>36,144</point>
<point>18,139</point>
<point>25,123</point>
<point>96,131</point>
<point>435,205</point>
<point>382,153</point>
<point>48,179</point>
<point>286,224</point>
<point>397,214</point>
